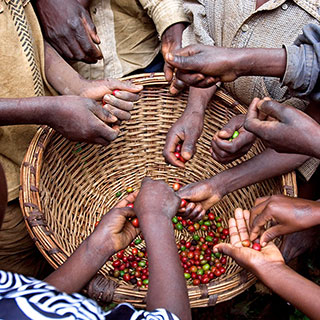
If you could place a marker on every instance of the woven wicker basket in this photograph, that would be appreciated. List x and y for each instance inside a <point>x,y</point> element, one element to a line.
<point>67,186</point>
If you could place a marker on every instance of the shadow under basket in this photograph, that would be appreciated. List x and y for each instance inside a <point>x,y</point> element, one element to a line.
<point>67,187</point>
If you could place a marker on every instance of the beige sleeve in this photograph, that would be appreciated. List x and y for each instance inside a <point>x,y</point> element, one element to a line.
<point>164,13</point>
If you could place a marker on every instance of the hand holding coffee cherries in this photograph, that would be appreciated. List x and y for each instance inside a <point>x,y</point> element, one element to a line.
<point>290,214</point>
<point>254,260</point>
<point>283,128</point>
<point>226,146</point>
<point>156,200</point>
<point>116,226</point>
<point>201,196</point>
<point>186,131</point>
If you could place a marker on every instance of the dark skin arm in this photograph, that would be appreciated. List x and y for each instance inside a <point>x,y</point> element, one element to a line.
<point>113,233</point>
<point>76,118</point>
<point>155,206</point>
<point>196,62</point>
<point>289,214</point>
<point>269,267</point>
<point>67,81</point>
<point>284,128</point>
<point>188,128</point>
<point>67,25</point>
<point>204,194</point>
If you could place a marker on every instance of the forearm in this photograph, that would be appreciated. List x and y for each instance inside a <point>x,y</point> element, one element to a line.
<point>61,75</point>
<point>25,110</point>
<point>260,62</point>
<point>284,281</point>
<point>199,98</point>
<point>259,168</point>
<point>84,263</point>
<point>167,286</point>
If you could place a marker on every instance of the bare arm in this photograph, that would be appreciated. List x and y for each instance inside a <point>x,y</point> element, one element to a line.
<point>113,233</point>
<point>155,206</point>
<point>208,192</point>
<point>268,265</point>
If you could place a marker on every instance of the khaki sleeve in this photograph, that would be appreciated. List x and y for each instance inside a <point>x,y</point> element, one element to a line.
<point>164,13</point>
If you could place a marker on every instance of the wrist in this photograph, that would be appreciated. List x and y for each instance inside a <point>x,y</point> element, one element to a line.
<point>100,242</point>
<point>259,62</point>
<point>219,185</point>
<point>158,222</point>
<point>273,269</point>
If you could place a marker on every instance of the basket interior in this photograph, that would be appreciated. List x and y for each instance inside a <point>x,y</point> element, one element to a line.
<point>79,182</point>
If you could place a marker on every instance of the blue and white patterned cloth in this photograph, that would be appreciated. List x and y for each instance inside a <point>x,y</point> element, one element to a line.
<point>27,298</point>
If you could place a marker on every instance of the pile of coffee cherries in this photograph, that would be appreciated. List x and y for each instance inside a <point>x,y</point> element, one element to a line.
<point>199,262</point>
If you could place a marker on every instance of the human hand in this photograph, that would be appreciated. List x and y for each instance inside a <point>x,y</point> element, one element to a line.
<point>202,66</point>
<point>69,28</point>
<point>171,41</point>
<point>80,119</point>
<point>116,227</point>
<point>117,95</point>
<point>225,151</point>
<point>248,258</point>
<point>156,200</point>
<point>187,130</point>
<point>289,214</point>
<point>201,196</point>
<point>282,127</point>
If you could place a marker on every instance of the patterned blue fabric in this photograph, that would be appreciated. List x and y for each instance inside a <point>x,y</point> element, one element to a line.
<point>27,298</point>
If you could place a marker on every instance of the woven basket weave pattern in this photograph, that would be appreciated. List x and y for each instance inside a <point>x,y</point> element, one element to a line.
<point>77,183</point>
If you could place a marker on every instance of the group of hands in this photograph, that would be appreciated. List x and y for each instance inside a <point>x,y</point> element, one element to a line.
<point>95,116</point>
<point>149,206</point>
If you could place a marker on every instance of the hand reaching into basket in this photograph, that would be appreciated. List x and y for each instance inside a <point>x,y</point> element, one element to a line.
<point>155,206</point>
<point>117,96</point>
<point>246,257</point>
<point>116,227</point>
<point>113,233</point>
<point>156,200</point>
<point>269,267</point>
<point>225,148</point>
<point>289,214</point>
<point>201,196</point>
<point>188,127</point>
<point>283,128</point>
<point>187,130</point>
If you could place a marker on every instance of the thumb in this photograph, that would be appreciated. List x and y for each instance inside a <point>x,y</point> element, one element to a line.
<point>126,86</point>
<point>189,145</point>
<point>271,234</point>
<point>272,108</point>
<point>182,62</point>
<point>234,124</point>
<point>227,249</point>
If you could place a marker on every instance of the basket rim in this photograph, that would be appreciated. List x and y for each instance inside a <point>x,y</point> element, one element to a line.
<point>44,239</point>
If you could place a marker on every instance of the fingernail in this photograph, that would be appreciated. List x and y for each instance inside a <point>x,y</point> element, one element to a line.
<point>264,244</point>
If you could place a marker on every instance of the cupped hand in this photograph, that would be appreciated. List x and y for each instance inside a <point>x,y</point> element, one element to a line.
<point>68,27</point>
<point>117,96</point>
<point>116,227</point>
<point>248,258</point>
<point>201,197</point>
<point>186,131</point>
<point>223,150</point>
<point>289,214</point>
<point>155,200</point>
<point>81,119</point>
<point>282,127</point>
